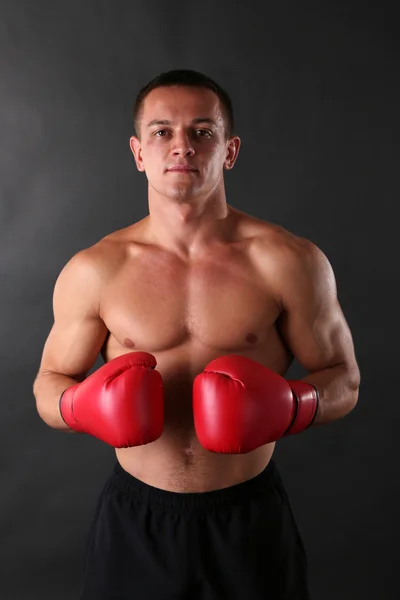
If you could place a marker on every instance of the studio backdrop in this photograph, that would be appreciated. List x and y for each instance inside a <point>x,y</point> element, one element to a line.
<point>315,90</point>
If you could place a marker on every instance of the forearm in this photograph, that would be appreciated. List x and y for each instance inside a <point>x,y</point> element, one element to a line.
<point>337,390</point>
<point>47,390</point>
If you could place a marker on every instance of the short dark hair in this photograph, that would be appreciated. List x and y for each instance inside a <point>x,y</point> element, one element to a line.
<point>185,77</point>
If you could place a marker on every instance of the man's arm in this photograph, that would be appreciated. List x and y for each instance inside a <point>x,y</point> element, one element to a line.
<point>75,339</point>
<point>315,330</point>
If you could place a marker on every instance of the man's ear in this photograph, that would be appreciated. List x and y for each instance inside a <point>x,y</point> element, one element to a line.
<point>136,149</point>
<point>232,151</point>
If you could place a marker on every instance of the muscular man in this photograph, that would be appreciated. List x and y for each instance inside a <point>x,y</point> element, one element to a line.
<point>198,311</point>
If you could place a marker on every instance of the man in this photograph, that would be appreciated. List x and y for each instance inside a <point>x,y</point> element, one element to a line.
<point>198,311</point>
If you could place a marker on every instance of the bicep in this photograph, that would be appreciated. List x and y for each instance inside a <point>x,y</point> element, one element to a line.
<point>78,333</point>
<point>312,322</point>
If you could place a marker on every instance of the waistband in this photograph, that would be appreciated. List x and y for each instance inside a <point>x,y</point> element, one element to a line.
<point>239,493</point>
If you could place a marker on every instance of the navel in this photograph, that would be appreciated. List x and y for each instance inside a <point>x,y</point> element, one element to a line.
<point>128,343</point>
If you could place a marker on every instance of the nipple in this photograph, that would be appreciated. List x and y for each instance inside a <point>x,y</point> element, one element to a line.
<point>128,343</point>
<point>251,338</point>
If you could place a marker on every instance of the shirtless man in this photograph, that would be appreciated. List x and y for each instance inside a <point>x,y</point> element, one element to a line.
<point>194,507</point>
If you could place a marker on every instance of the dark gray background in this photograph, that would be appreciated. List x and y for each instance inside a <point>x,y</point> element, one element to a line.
<point>315,88</point>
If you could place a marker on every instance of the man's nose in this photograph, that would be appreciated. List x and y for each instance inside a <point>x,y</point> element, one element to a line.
<point>183,146</point>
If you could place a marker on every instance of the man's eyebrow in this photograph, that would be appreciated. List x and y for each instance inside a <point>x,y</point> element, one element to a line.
<point>195,121</point>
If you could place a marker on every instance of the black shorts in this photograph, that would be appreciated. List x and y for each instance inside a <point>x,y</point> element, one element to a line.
<point>237,543</point>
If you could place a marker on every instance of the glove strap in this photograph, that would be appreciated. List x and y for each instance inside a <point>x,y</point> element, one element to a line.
<point>307,400</point>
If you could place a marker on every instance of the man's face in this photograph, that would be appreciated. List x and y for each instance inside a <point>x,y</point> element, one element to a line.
<point>183,147</point>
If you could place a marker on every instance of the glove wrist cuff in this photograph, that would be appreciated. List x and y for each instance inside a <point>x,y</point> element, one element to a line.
<point>66,406</point>
<point>306,400</point>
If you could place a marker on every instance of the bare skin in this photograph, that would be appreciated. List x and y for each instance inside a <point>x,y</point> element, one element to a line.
<point>194,280</point>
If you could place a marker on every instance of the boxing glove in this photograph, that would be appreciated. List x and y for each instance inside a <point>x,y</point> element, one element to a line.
<point>240,405</point>
<point>122,403</point>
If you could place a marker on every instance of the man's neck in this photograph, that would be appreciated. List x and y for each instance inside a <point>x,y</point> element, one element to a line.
<point>188,227</point>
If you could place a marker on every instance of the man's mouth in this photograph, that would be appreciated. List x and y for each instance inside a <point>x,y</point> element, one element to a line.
<point>182,169</point>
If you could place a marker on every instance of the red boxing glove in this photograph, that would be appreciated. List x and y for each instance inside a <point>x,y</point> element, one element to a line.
<point>122,403</point>
<point>239,405</point>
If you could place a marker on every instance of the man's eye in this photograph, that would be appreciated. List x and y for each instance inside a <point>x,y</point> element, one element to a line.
<point>198,133</point>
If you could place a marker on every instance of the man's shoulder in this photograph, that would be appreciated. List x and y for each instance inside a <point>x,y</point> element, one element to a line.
<point>103,256</point>
<point>115,245</point>
<point>268,237</point>
<point>121,237</point>
<point>281,254</point>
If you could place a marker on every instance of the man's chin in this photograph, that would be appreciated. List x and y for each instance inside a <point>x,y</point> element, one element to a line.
<point>179,193</point>
<point>186,194</point>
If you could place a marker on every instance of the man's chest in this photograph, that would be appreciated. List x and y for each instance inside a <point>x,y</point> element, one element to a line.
<point>157,307</point>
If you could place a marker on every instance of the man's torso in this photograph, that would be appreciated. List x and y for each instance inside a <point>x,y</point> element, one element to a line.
<point>186,312</point>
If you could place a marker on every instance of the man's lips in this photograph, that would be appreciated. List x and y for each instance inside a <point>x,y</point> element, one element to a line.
<point>181,169</point>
